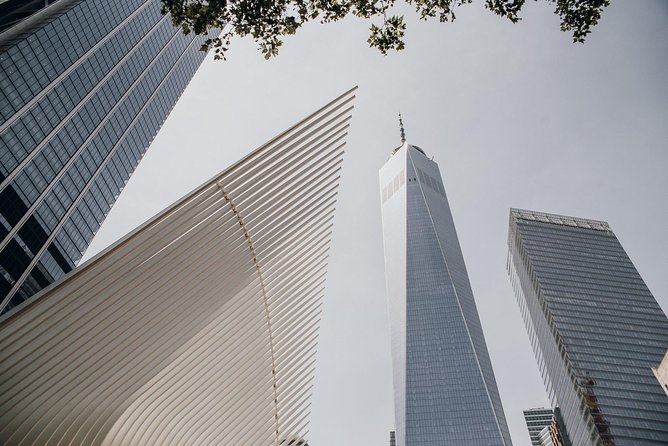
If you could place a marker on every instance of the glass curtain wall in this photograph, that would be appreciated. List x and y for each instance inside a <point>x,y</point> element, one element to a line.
<point>84,88</point>
<point>595,328</point>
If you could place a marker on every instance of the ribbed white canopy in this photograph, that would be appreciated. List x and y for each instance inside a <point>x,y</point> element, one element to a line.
<point>199,327</point>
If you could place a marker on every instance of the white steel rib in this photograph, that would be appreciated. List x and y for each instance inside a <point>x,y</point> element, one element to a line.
<point>200,326</point>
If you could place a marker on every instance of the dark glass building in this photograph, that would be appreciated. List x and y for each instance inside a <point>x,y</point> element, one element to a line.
<point>84,87</point>
<point>595,327</point>
<point>444,386</point>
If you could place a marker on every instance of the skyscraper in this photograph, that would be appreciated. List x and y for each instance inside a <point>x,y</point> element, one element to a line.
<point>545,427</point>
<point>544,437</point>
<point>537,420</point>
<point>444,386</point>
<point>84,87</point>
<point>595,328</point>
<point>198,328</point>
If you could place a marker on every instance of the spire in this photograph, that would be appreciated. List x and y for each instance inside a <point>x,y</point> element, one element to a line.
<point>401,129</point>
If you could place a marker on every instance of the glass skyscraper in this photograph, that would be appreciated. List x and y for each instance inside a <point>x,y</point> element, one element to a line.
<point>84,87</point>
<point>545,427</point>
<point>595,328</point>
<point>444,386</point>
<point>537,420</point>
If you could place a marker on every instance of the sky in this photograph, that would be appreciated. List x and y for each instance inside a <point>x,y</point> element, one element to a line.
<point>515,116</point>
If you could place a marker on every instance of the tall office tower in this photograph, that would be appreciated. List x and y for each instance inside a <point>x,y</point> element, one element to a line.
<point>537,420</point>
<point>594,326</point>
<point>84,87</point>
<point>198,328</point>
<point>444,386</point>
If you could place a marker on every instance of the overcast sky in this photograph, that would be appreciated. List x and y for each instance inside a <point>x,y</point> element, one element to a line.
<point>515,116</point>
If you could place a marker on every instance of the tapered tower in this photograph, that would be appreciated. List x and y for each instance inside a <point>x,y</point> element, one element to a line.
<point>444,387</point>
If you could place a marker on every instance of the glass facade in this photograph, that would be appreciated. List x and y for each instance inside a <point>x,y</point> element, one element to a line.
<point>545,437</point>
<point>537,420</point>
<point>84,88</point>
<point>444,386</point>
<point>595,328</point>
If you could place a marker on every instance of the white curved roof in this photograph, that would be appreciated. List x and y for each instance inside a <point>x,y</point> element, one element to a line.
<point>199,327</point>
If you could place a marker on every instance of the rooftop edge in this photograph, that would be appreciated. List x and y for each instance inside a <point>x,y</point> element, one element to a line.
<point>523,214</point>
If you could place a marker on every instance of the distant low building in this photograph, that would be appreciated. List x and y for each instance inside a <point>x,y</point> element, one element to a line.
<point>545,427</point>
<point>544,437</point>
<point>537,420</point>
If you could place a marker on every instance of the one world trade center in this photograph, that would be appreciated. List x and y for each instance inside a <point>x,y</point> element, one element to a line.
<point>444,387</point>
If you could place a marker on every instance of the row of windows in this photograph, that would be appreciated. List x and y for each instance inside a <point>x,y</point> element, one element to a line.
<point>546,260</point>
<point>577,330</point>
<point>609,244</point>
<point>618,348</point>
<point>605,317</point>
<point>599,281</point>
<point>621,369</point>
<point>593,340</point>
<point>567,232</point>
<point>634,302</point>
<point>601,300</point>
<point>393,186</point>
<point>555,287</point>
<point>632,416</point>
<point>573,257</point>
<point>637,406</point>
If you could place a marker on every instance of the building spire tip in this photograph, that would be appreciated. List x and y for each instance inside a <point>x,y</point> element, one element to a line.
<point>401,129</point>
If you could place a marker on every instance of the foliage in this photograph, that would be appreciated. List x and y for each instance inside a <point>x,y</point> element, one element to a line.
<point>268,21</point>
